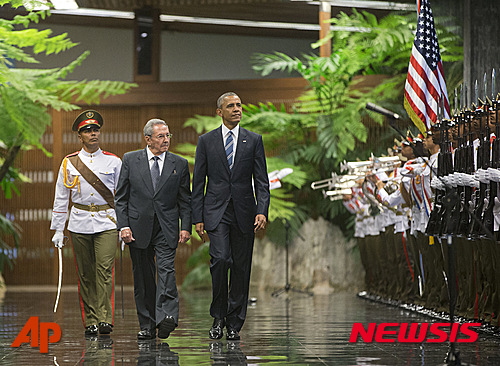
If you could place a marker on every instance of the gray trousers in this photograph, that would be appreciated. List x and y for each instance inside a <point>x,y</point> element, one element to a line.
<point>155,289</point>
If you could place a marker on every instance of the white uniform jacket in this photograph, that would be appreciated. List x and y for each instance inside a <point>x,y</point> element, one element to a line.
<point>107,167</point>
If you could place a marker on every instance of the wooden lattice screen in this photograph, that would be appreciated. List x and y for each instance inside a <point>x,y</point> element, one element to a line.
<point>124,119</point>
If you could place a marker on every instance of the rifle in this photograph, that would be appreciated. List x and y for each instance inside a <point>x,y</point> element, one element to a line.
<point>488,218</point>
<point>479,195</point>
<point>446,226</point>
<point>432,224</point>
<point>437,218</point>
<point>457,212</point>
<point>468,170</point>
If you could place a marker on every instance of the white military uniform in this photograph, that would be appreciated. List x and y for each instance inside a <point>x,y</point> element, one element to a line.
<point>93,232</point>
<point>107,167</point>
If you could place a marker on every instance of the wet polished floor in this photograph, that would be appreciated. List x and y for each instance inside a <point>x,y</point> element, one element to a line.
<point>291,329</point>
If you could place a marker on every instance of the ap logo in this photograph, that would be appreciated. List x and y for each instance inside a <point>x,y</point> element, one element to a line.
<point>39,334</point>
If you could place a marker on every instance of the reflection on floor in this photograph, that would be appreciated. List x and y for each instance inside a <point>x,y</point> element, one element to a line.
<point>291,329</point>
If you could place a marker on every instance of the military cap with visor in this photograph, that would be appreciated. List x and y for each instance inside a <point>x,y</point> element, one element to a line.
<point>86,120</point>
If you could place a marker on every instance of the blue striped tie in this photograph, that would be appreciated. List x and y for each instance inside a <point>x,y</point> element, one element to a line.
<point>229,149</point>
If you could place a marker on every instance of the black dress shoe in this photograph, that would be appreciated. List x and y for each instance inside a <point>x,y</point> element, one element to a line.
<point>105,328</point>
<point>166,326</point>
<point>232,334</point>
<point>146,334</point>
<point>91,330</point>
<point>216,331</point>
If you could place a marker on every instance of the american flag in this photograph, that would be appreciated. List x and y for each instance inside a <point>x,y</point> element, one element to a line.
<point>425,84</point>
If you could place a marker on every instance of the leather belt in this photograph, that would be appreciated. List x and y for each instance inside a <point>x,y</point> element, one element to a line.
<point>92,207</point>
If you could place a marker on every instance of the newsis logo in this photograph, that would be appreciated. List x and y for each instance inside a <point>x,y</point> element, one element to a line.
<point>39,333</point>
<point>414,332</point>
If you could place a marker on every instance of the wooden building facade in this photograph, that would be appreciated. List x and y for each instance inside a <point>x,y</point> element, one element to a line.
<point>36,261</point>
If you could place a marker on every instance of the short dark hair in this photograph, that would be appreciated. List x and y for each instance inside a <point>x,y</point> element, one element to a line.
<point>223,96</point>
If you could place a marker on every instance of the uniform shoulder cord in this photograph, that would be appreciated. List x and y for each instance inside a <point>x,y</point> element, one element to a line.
<point>66,181</point>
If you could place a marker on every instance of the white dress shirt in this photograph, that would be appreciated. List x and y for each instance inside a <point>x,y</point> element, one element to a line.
<point>152,161</point>
<point>225,134</point>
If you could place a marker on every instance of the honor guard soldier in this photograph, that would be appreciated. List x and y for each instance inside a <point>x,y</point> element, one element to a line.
<point>90,177</point>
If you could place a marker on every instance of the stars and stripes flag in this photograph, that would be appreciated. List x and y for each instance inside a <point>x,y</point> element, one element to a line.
<point>425,85</point>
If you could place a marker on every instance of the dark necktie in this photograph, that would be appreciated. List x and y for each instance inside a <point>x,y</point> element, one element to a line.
<point>155,172</point>
<point>229,150</point>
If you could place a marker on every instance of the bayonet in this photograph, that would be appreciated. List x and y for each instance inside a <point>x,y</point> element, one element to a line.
<point>476,95</point>
<point>439,110</point>
<point>493,85</point>
<point>485,84</point>
<point>465,96</point>
<point>442,106</point>
<point>461,97</point>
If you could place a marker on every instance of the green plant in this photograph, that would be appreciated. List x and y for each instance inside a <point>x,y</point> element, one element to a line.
<point>325,126</point>
<point>8,228</point>
<point>331,111</point>
<point>199,276</point>
<point>26,95</point>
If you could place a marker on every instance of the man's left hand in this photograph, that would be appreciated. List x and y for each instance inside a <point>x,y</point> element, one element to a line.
<point>260,222</point>
<point>184,236</point>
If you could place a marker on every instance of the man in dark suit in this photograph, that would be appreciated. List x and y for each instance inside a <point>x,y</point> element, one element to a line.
<point>152,194</point>
<point>230,210</point>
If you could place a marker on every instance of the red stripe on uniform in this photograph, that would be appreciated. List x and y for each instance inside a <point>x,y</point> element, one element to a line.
<point>113,296</point>
<point>415,190</point>
<point>79,295</point>
<point>75,153</point>
<point>108,153</point>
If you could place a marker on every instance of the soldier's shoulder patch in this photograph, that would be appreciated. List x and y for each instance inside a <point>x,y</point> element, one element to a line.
<point>110,154</point>
<point>73,154</point>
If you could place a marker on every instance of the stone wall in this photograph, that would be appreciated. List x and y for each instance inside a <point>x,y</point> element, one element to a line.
<point>323,262</point>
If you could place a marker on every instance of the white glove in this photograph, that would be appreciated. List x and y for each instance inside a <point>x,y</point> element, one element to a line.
<point>493,174</point>
<point>284,172</point>
<point>418,169</point>
<point>58,239</point>
<point>472,181</point>
<point>436,183</point>
<point>122,244</point>
<point>481,175</point>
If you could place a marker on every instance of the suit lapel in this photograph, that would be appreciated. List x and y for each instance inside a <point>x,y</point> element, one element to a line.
<point>168,168</point>
<point>241,146</point>
<point>219,147</point>
<point>144,171</point>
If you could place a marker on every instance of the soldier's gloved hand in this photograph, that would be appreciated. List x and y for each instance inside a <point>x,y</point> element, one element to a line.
<point>58,239</point>
<point>496,208</point>
<point>417,170</point>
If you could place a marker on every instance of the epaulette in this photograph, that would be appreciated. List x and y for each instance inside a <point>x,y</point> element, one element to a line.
<point>72,154</point>
<point>108,153</point>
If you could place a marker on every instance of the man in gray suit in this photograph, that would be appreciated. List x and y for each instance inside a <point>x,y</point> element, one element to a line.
<point>152,194</point>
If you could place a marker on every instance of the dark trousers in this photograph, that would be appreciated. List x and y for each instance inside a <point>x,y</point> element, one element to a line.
<point>230,250</point>
<point>155,289</point>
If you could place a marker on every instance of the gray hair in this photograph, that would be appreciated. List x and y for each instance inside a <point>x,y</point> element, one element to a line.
<point>148,129</point>
<point>221,98</point>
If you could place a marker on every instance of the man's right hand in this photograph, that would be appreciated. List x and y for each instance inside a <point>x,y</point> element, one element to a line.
<point>58,239</point>
<point>126,235</point>
<point>200,229</point>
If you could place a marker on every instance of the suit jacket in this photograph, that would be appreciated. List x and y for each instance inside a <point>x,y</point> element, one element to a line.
<point>223,184</point>
<point>136,202</point>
